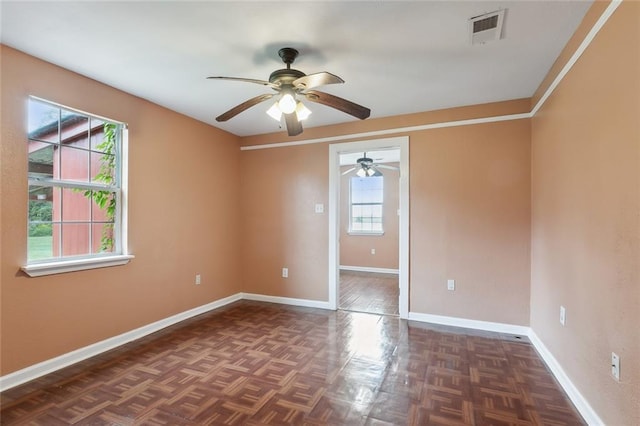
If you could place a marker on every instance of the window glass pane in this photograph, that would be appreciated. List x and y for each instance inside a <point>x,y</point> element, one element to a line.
<point>40,232</point>
<point>41,242</point>
<point>56,197</point>
<point>75,205</point>
<point>74,164</point>
<point>103,206</point>
<point>367,190</point>
<point>43,121</point>
<point>103,168</point>
<point>376,210</point>
<point>366,208</point>
<point>40,196</point>
<point>43,160</point>
<point>75,239</point>
<point>102,236</point>
<point>74,129</point>
<point>97,135</point>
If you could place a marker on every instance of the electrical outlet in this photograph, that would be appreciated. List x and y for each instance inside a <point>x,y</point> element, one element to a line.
<point>615,366</point>
<point>373,251</point>
<point>563,315</point>
<point>285,272</point>
<point>198,279</point>
<point>451,285</point>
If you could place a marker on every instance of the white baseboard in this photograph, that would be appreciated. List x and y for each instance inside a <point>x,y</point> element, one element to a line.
<point>286,300</point>
<point>369,269</point>
<point>582,405</point>
<point>37,370</point>
<point>497,327</point>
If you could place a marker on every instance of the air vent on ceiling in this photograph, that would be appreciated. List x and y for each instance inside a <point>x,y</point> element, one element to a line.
<point>487,27</point>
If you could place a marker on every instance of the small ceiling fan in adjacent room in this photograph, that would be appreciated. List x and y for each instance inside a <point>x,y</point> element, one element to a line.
<point>288,84</point>
<point>366,167</point>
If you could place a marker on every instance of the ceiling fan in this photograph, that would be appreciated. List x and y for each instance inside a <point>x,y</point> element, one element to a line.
<point>365,167</point>
<point>287,83</point>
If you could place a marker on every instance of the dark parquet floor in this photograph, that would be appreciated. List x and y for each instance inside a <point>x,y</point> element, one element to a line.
<point>369,292</point>
<point>254,363</point>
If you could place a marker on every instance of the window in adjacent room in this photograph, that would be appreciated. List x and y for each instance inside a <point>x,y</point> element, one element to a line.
<point>366,198</point>
<point>75,189</point>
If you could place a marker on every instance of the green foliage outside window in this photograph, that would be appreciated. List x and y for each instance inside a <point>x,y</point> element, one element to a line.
<point>106,200</point>
<point>40,212</point>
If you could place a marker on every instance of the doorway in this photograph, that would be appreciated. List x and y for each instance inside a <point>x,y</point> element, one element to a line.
<point>376,279</point>
<point>369,231</point>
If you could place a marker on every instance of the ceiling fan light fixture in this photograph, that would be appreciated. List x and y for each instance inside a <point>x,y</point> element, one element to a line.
<point>368,172</point>
<point>302,112</point>
<point>274,112</point>
<point>287,103</point>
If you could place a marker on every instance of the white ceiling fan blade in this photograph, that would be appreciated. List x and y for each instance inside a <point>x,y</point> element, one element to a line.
<point>349,171</point>
<point>382,166</point>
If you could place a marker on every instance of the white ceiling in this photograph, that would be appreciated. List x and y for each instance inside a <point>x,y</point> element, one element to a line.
<point>396,57</point>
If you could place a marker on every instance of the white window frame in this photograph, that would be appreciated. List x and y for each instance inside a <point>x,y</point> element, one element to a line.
<point>120,255</point>
<point>350,229</point>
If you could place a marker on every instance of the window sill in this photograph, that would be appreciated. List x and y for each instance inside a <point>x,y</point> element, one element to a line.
<point>364,233</point>
<point>62,266</point>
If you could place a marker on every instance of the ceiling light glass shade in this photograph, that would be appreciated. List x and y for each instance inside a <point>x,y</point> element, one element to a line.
<point>368,172</point>
<point>274,112</point>
<point>287,103</point>
<point>302,112</point>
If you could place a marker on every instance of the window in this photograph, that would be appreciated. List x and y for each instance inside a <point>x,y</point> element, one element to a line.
<point>75,185</point>
<point>366,204</point>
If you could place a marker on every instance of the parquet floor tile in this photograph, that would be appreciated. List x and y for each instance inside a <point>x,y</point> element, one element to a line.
<point>253,363</point>
<point>369,292</point>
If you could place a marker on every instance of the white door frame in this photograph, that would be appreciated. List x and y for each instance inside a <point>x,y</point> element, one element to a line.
<point>334,214</point>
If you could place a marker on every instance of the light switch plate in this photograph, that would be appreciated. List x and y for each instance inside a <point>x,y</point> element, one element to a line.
<point>319,208</point>
<point>615,366</point>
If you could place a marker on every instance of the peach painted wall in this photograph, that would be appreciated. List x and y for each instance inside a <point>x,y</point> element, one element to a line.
<point>279,190</point>
<point>470,221</point>
<point>355,250</point>
<point>469,214</point>
<point>183,220</point>
<point>586,219</point>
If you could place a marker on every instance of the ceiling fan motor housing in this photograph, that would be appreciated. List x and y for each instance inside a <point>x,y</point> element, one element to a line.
<point>285,76</point>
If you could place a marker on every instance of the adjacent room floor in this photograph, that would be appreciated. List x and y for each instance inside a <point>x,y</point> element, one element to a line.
<point>369,292</point>
<point>254,363</point>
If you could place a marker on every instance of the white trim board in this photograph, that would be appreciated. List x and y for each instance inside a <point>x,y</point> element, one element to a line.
<point>307,303</point>
<point>497,327</point>
<point>369,269</point>
<point>386,132</point>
